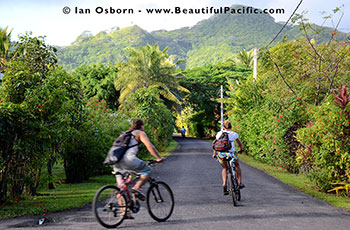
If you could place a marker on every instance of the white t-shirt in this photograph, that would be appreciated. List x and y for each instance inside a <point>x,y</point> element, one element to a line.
<point>231,136</point>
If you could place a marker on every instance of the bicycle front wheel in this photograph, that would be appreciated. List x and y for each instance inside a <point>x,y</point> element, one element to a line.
<point>160,201</point>
<point>231,188</point>
<point>237,189</point>
<point>109,206</point>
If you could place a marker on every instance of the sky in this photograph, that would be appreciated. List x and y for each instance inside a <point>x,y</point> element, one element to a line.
<point>46,17</point>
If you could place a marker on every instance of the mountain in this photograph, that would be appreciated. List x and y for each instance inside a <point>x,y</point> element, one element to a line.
<point>209,41</point>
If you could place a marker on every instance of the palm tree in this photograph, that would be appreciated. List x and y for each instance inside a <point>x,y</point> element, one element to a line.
<point>246,58</point>
<point>148,66</point>
<point>4,43</point>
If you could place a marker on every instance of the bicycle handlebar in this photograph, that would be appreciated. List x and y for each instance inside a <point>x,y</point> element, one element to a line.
<point>152,162</point>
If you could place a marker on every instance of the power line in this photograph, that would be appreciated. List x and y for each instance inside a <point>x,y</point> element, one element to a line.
<point>285,23</point>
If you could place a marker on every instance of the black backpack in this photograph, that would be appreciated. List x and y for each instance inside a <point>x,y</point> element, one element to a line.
<point>223,144</point>
<point>119,147</point>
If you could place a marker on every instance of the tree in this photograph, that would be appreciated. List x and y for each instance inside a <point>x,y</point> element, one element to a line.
<point>148,66</point>
<point>36,98</point>
<point>245,58</point>
<point>97,81</point>
<point>4,44</point>
<point>34,53</point>
<point>146,104</point>
<point>204,83</point>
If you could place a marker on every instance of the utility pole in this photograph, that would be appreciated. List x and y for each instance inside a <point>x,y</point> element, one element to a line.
<point>222,108</point>
<point>255,63</point>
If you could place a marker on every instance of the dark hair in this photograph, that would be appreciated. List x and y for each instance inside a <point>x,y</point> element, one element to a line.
<point>227,124</point>
<point>136,124</point>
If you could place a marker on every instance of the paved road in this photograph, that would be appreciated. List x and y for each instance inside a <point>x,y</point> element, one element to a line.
<point>196,182</point>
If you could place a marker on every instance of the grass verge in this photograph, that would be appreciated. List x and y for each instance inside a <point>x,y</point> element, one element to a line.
<point>63,197</point>
<point>298,181</point>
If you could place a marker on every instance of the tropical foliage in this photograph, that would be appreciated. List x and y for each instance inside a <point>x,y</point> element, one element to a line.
<point>201,107</point>
<point>146,104</point>
<point>97,81</point>
<point>245,58</point>
<point>291,117</point>
<point>148,66</point>
<point>4,43</point>
<point>48,115</point>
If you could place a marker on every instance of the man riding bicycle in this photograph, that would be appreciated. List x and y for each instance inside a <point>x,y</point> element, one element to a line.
<point>221,156</point>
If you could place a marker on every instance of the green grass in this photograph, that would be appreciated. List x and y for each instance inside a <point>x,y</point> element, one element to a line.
<point>298,181</point>
<point>64,196</point>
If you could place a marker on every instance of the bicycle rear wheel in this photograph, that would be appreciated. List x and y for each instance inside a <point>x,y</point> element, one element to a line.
<point>109,206</point>
<point>160,201</point>
<point>231,188</point>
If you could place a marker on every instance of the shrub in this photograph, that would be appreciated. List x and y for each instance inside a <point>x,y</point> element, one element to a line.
<point>159,122</point>
<point>325,142</point>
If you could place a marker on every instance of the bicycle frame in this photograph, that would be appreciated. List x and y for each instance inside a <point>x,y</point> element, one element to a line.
<point>125,189</point>
<point>232,166</point>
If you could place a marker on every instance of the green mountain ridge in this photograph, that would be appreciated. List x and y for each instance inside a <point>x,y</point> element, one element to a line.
<point>212,40</point>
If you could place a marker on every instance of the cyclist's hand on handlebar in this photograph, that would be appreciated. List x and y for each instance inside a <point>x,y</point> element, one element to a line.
<point>241,151</point>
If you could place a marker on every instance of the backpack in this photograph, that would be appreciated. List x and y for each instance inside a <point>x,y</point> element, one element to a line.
<point>222,144</point>
<point>119,147</point>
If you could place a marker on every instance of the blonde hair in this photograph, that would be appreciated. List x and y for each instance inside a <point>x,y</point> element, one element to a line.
<point>227,124</point>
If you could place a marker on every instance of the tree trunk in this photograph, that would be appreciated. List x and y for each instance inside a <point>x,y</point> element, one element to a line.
<point>50,164</point>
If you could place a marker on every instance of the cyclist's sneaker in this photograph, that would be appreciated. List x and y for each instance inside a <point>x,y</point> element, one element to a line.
<point>225,191</point>
<point>129,217</point>
<point>138,194</point>
<point>241,186</point>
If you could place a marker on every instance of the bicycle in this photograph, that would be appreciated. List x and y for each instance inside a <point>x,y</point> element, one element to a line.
<point>111,204</point>
<point>232,182</point>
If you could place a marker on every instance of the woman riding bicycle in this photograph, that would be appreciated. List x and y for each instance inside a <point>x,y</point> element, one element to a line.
<point>130,160</point>
<point>221,156</point>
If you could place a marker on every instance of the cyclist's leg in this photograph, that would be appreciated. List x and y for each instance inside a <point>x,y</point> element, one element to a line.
<point>224,173</point>
<point>220,157</point>
<point>145,172</point>
<point>238,172</point>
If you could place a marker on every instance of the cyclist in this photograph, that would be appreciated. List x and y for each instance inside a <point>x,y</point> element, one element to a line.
<point>183,131</point>
<point>220,156</point>
<point>131,162</point>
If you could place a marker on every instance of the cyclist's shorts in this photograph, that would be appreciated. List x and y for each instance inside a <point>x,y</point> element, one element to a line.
<point>221,156</point>
<point>134,164</point>
<point>143,169</point>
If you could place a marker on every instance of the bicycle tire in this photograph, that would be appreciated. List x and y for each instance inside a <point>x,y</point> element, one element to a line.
<point>231,188</point>
<point>109,209</point>
<point>160,194</point>
<point>237,189</point>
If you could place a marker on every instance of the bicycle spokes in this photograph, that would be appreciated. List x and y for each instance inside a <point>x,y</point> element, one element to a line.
<point>110,206</point>
<point>160,201</point>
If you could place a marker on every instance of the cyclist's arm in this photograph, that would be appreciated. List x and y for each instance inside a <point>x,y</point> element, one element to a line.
<point>150,147</point>
<point>239,144</point>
